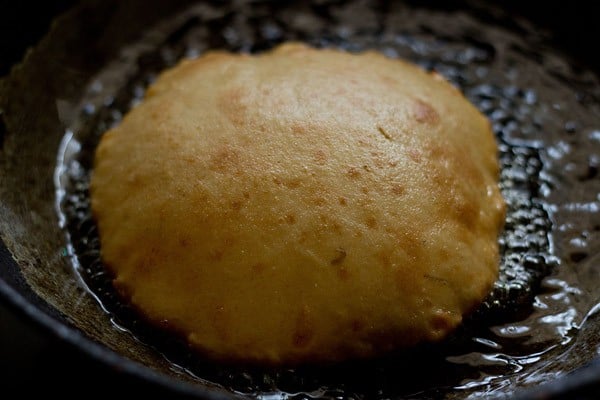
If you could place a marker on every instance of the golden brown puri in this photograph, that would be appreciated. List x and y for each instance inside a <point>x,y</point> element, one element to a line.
<point>301,205</point>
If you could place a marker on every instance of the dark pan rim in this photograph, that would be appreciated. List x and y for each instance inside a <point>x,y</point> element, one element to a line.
<point>582,378</point>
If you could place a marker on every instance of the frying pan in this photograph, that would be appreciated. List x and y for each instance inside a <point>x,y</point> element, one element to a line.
<point>39,100</point>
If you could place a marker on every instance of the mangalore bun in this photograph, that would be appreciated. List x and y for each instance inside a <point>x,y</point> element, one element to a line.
<point>300,205</point>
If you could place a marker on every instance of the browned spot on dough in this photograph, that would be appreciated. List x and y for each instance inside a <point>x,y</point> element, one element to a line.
<point>384,258</point>
<point>436,150</point>
<point>337,228</point>
<point>364,189</point>
<point>290,219</point>
<point>246,195</point>
<point>184,241</point>
<point>148,260</point>
<point>298,129</point>
<point>266,91</point>
<point>372,222</point>
<point>466,212</point>
<point>342,272</point>
<point>232,104</point>
<point>425,113</point>
<point>262,127</point>
<point>303,332</point>
<point>293,183</point>
<point>189,159</point>
<point>319,201</point>
<point>303,237</point>
<point>388,80</point>
<point>398,189</point>
<point>320,157</point>
<point>460,204</point>
<point>353,172</point>
<point>441,180</point>
<point>414,155</point>
<point>342,201</point>
<point>216,254</point>
<point>455,162</point>
<point>143,266</point>
<point>378,159</point>
<point>224,159</point>
<point>155,114</point>
<point>410,242</point>
<point>443,255</point>
<point>258,267</point>
<point>236,205</point>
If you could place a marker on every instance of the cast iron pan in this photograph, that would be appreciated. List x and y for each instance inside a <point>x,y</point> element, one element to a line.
<point>537,334</point>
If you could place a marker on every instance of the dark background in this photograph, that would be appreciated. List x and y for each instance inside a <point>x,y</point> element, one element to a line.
<point>574,23</point>
<point>32,360</point>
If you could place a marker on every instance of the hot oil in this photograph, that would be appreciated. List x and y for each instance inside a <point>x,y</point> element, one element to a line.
<point>544,115</point>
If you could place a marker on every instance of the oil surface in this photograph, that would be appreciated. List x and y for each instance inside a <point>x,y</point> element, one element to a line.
<point>545,117</point>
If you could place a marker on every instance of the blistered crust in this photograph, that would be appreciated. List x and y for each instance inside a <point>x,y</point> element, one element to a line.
<point>301,205</point>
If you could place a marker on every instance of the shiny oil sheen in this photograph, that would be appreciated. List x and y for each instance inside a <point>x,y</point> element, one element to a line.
<point>545,117</point>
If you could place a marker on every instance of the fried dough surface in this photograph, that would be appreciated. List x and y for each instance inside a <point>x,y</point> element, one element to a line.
<point>301,205</point>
